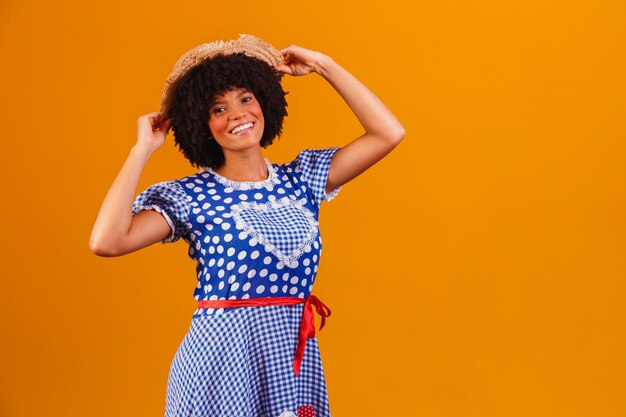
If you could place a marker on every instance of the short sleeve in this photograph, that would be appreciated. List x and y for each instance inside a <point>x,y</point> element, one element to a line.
<point>169,199</point>
<point>314,166</point>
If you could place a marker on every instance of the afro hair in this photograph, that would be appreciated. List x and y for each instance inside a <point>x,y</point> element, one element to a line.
<point>214,77</point>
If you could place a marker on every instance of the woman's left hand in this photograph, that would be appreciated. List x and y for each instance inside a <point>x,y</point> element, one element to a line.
<point>383,131</point>
<point>299,61</point>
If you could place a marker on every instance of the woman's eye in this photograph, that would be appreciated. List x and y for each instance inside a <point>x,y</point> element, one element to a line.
<point>247,99</point>
<point>217,110</point>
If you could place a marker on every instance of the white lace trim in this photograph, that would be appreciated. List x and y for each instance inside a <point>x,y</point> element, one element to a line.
<point>287,414</point>
<point>329,196</point>
<point>287,259</point>
<point>271,180</point>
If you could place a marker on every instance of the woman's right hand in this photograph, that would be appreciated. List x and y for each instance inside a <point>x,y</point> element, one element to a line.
<point>116,231</point>
<point>151,131</point>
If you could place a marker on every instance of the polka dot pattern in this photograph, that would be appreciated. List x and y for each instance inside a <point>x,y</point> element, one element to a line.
<point>306,411</point>
<point>249,239</point>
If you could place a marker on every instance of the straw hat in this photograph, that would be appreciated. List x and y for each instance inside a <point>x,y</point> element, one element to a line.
<point>247,44</point>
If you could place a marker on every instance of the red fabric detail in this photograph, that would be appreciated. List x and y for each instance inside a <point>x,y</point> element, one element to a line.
<point>307,327</point>
<point>307,324</point>
<point>251,302</point>
<point>306,411</point>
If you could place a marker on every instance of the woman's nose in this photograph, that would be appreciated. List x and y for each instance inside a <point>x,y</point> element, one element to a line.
<point>238,113</point>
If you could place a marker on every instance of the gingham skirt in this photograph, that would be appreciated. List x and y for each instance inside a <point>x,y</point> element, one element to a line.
<point>240,364</point>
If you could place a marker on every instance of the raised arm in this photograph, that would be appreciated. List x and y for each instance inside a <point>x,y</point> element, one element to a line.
<point>116,231</point>
<point>383,131</point>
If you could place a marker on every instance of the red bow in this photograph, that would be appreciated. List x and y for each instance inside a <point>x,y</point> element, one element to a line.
<point>307,326</point>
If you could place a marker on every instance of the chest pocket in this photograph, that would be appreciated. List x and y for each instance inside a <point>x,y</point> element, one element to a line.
<point>284,227</point>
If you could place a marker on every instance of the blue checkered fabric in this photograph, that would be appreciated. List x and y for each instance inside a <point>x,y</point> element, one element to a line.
<point>308,163</point>
<point>240,364</point>
<point>286,225</point>
<point>248,240</point>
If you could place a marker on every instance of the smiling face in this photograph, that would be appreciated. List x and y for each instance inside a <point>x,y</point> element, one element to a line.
<point>236,120</point>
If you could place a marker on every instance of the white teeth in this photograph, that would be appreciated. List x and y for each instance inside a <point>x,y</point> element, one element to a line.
<point>242,127</point>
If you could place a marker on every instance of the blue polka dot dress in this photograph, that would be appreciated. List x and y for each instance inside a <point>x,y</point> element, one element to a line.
<point>249,240</point>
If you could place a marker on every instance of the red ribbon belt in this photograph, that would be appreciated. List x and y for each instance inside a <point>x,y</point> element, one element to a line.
<point>307,324</point>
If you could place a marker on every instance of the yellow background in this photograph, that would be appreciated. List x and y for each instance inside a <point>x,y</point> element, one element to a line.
<point>478,270</point>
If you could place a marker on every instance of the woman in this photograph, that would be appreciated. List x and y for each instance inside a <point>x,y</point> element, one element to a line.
<point>251,225</point>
